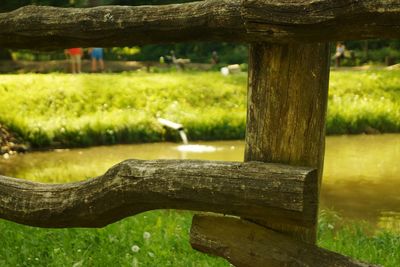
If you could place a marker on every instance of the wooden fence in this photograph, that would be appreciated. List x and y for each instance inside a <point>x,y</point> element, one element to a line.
<point>274,207</point>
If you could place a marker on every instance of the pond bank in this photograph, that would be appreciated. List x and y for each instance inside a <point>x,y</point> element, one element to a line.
<point>10,144</point>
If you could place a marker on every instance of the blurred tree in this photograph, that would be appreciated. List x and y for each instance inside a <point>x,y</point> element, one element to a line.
<point>5,54</point>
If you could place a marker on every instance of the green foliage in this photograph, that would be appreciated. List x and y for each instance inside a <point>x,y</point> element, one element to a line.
<point>376,52</point>
<point>124,53</point>
<point>228,53</point>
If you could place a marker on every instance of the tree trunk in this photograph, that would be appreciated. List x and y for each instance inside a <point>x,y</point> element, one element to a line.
<point>5,54</point>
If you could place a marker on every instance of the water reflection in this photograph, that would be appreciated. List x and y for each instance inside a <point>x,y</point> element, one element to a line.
<point>362,178</point>
<point>361,174</point>
<point>197,148</point>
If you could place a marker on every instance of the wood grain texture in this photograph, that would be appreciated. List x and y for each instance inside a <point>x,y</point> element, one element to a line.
<point>287,101</point>
<point>109,26</point>
<point>254,190</point>
<point>282,21</point>
<point>321,20</point>
<point>259,246</point>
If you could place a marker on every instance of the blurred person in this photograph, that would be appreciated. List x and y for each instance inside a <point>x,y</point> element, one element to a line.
<point>214,58</point>
<point>75,55</point>
<point>340,49</point>
<point>97,54</point>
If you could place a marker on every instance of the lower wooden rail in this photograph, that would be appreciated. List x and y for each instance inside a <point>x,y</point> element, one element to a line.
<point>246,244</point>
<point>252,190</point>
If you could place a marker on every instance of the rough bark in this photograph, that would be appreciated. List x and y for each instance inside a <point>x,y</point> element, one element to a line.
<point>321,20</point>
<point>259,246</point>
<point>108,26</point>
<point>287,100</point>
<point>211,20</point>
<point>254,190</point>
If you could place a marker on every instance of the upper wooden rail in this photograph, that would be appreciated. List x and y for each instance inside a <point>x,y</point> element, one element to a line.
<point>253,190</point>
<point>250,21</point>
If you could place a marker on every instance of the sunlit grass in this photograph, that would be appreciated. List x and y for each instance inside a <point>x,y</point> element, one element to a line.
<point>359,101</point>
<point>67,110</point>
<point>82,110</point>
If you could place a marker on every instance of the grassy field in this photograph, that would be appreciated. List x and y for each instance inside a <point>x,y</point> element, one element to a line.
<point>163,240</point>
<point>83,110</point>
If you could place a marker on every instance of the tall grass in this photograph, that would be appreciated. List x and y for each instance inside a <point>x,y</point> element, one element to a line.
<point>359,101</point>
<point>66,110</point>
<point>83,110</point>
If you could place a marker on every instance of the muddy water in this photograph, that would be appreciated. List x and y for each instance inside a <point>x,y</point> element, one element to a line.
<point>361,175</point>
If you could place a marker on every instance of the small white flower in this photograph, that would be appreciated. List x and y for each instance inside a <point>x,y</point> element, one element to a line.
<point>151,254</point>
<point>135,248</point>
<point>146,235</point>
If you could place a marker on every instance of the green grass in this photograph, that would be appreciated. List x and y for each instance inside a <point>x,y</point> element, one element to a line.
<point>83,110</point>
<point>168,244</point>
<point>358,240</point>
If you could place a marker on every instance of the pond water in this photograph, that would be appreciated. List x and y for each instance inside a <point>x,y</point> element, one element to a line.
<point>361,174</point>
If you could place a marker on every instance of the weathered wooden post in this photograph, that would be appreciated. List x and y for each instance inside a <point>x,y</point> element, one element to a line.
<point>287,100</point>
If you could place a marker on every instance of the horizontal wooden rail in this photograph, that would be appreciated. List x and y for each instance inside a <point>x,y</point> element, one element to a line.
<point>210,20</point>
<point>246,244</point>
<point>252,190</point>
